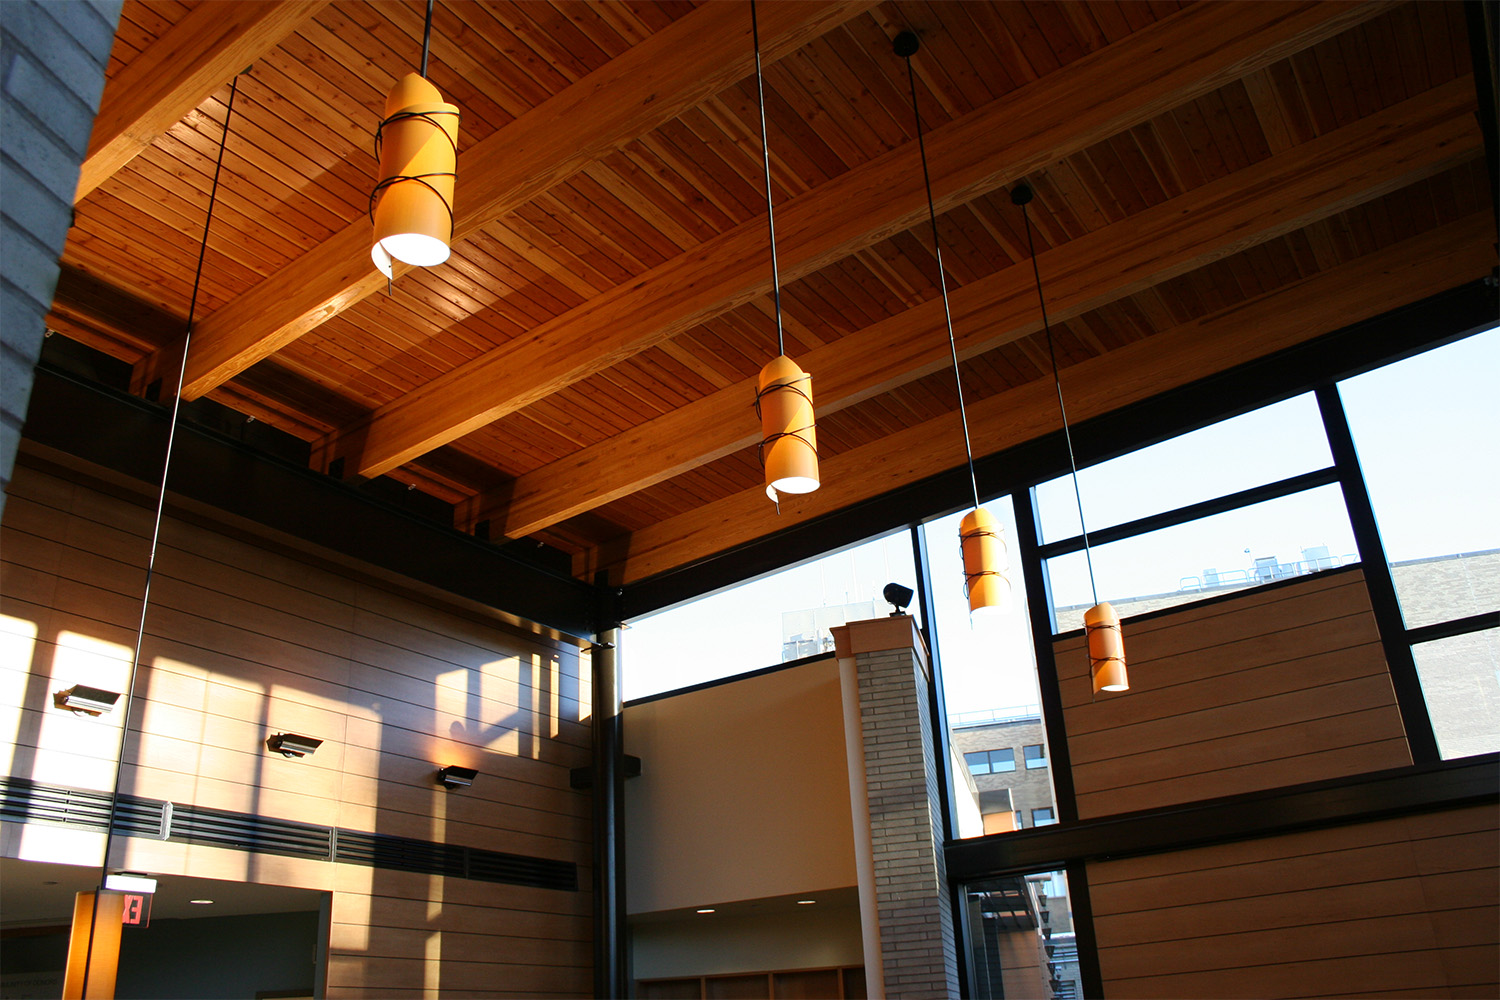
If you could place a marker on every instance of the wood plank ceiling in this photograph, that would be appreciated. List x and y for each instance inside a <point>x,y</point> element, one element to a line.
<point>1214,182</point>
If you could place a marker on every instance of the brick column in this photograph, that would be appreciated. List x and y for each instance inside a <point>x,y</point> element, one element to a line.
<point>52,59</point>
<point>900,775</point>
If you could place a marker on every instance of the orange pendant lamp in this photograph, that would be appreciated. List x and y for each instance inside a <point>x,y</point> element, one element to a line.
<point>783,397</point>
<point>985,563</point>
<point>417,143</point>
<point>789,437</point>
<point>980,535</point>
<point>1106,648</point>
<point>1101,624</point>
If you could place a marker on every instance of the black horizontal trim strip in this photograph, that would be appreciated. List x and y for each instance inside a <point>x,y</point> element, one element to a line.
<point>1193,512</point>
<point>25,801</point>
<point>1334,802</point>
<point>1456,627</point>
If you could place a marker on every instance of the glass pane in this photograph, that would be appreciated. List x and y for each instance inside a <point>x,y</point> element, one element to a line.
<point>989,678</point>
<point>1289,536</point>
<point>778,618</point>
<point>1212,462</point>
<point>1461,683</point>
<point>1020,937</point>
<point>1425,432</point>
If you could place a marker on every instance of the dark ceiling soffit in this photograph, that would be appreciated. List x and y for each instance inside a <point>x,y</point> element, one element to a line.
<point>1337,802</point>
<point>127,435</point>
<point>1399,333</point>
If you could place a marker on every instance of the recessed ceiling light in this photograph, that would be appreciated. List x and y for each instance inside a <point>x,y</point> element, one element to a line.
<point>200,902</point>
<point>806,902</point>
<point>707,909</point>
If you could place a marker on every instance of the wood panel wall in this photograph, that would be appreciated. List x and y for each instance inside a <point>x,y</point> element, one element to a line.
<point>1406,907</point>
<point>1271,687</point>
<point>247,637</point>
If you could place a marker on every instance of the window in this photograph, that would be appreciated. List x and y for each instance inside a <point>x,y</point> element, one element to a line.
<point>777,618</point>
<point>1036,756</point>
<point>1241,503</point>
<point>1213,461</point>
<point>1419,428</point>
<point>1021,937</point>
<point>991,761</point>
<point>989,677</point>
<point>1042,817</point>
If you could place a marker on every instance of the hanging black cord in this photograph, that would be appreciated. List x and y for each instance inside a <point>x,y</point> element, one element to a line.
<point>1022,196</point>
<point>906,46</point>
<point>427,38</point>
<point>161,502</point>
<point>765,156</point>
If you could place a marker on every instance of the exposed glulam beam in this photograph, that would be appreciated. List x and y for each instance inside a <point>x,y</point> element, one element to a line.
<point>1175,60</point>
<point>1361,289</point>
<point>178,72</point>
<point>1362,161</point>
<point>684,64</point>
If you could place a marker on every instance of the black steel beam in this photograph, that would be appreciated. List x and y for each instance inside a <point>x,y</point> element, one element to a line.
<point>128,436</point>
<point>1335,802</point>
<point>1384,603</point>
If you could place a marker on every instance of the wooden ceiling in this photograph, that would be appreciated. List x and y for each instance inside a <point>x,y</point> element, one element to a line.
<point>1213,182</point>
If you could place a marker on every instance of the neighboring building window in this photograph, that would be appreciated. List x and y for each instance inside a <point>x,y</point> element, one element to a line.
<point>1036,756</point>
<point>991,761</point>
<point>1019,824</point>
<point>1042,817</point>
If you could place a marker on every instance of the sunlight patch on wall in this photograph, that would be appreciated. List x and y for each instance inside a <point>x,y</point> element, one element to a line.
<point>17,646</point>
<point>52,844</point>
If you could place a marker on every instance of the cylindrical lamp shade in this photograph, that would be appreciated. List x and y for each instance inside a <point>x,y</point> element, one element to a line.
<point>789,438</point>
<point>1106,648</point>
<point>985,563</point>
<point>413,201</point>
<point>99,951</point>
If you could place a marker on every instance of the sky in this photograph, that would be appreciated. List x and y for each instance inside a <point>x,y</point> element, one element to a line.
<point>1425,430</point>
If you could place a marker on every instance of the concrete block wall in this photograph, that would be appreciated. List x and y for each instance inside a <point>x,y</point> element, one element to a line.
<point>901,775</point>
<point>52,61</point>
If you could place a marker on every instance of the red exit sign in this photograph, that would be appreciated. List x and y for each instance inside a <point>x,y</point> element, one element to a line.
<point>137,909</point>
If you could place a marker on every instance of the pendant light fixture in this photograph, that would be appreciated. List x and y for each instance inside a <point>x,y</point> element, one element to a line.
<point>1101,625</point>
<point>980,535</point>
<point>417,145</point>
<point>783,397</point>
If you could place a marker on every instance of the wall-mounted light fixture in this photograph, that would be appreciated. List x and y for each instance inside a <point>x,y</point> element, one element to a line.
<point>897,597</point>
<point>292,745</point>
<point>85,700</point>
<point>130,882</point>
<point>453,776</point>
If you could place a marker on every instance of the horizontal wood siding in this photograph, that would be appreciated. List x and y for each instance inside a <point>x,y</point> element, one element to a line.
<point>245,639</point>
<point>1268,688</point>
<point>1400,907</point>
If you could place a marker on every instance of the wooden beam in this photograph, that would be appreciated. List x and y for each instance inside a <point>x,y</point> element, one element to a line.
<point>1402,273</point>
<point>1175,60</point>
<point>1313,181</point>
<point>178,72</point>
<point>684,64</point>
